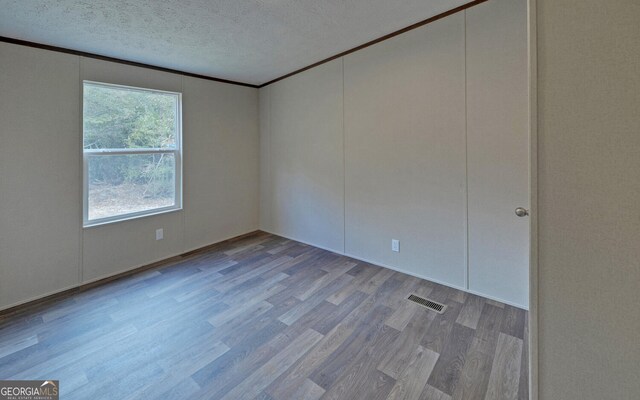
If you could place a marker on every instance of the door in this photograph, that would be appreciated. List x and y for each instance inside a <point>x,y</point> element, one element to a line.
<point>498,150</point>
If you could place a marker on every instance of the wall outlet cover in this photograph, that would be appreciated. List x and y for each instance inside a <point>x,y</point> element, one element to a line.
<point>395,245</point>
<point>159,234</point>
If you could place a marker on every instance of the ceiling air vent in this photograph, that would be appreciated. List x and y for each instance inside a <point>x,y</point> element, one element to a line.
<point>430,304</point>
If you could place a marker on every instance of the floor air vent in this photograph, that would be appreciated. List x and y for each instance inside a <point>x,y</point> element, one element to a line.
<point>431,305</point>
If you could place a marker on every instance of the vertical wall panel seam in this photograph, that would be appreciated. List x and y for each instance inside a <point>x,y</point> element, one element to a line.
<point>269,174</point>
<point>269,219</point>
<point>270,169</point>
<point>182,178</point>
<point>466,153</point>
<point>259,130</point>
<point>344,170</point>
<point>81,194</point>
<point>263,129</point>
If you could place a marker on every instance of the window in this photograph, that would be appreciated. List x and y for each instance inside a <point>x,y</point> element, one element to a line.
<point>131,152</point>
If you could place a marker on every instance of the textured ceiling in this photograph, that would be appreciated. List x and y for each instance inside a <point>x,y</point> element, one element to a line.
<point>251,41</point>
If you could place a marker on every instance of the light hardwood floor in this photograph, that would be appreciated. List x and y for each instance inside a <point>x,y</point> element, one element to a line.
<point>264,317</point>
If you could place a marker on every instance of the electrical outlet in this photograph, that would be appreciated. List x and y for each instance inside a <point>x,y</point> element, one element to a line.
<point>159,234</point>
<point>395,245</point>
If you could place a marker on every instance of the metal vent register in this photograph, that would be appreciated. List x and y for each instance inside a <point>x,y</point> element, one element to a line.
<point>431,305</point>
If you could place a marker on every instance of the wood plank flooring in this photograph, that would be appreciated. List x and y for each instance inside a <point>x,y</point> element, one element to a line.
<point>263,317</point>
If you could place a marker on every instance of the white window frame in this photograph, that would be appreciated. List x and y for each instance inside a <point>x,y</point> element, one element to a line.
<point>177,153</point>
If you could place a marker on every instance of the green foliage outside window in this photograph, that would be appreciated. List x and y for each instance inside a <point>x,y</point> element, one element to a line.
<point>117,118</point>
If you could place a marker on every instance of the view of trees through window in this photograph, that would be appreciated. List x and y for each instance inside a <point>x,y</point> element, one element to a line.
<point>131,146</point>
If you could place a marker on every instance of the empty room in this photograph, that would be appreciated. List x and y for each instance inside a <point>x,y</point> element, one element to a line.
<point>305,200</point>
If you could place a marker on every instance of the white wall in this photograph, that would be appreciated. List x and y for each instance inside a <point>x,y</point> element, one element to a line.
<point>405,151</point>
<point>302,166</point>
<point>589,199</point>
<point>221,161</point>
<point>40,178</point>
<point>43,248</point>
<point>403,135</point>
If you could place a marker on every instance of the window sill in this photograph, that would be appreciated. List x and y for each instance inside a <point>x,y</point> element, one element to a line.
<point>130,217</point>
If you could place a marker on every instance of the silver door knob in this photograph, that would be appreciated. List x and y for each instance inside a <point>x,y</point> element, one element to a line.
<point>522,212</point>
